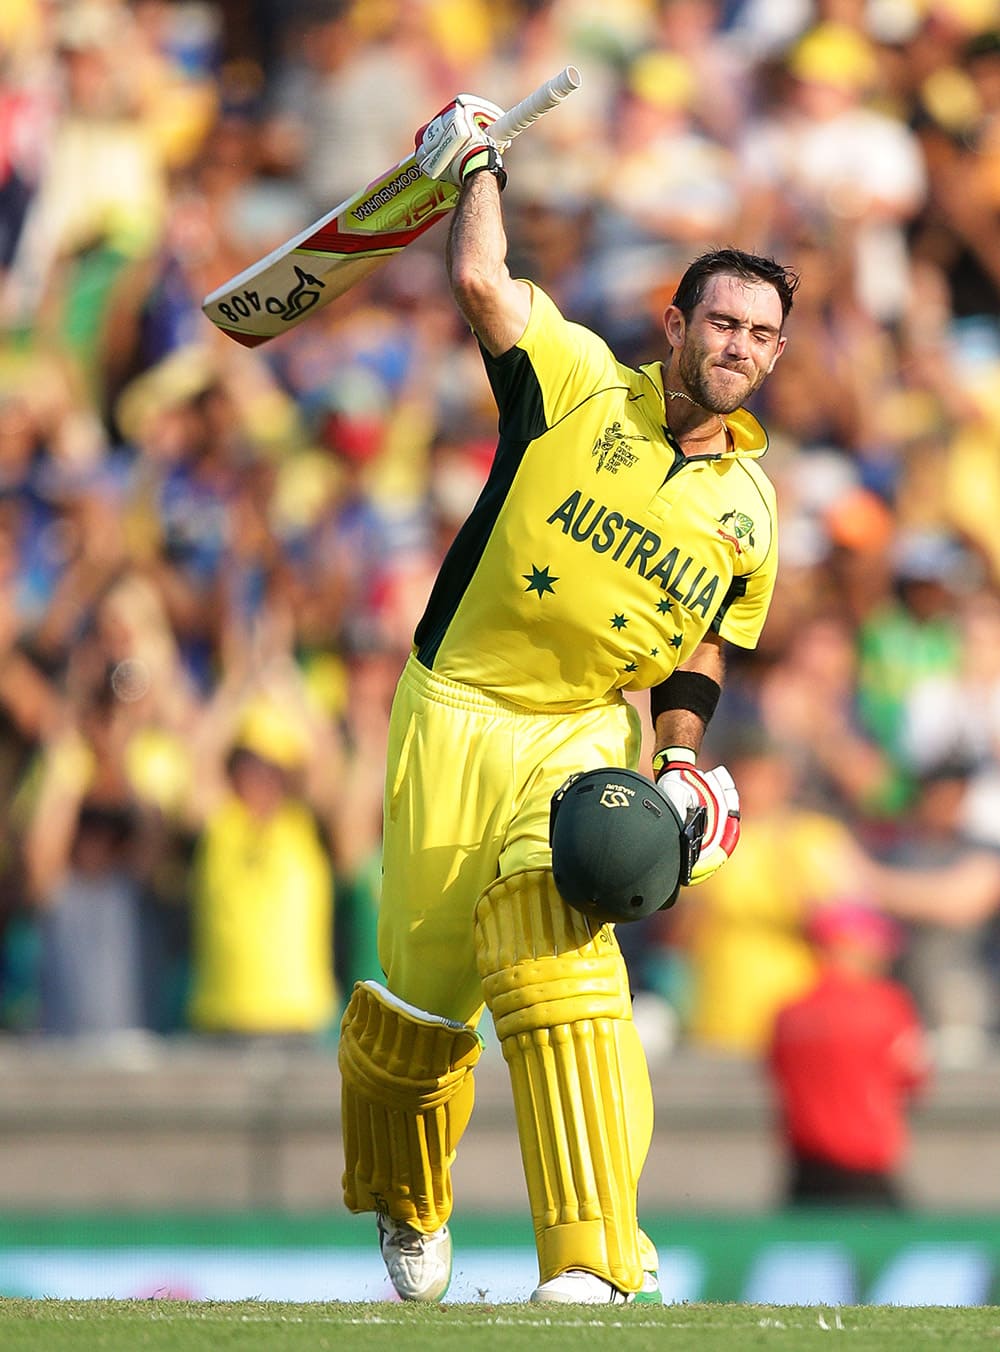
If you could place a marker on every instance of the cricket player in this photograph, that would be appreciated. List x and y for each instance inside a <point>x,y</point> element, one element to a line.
<point>625,534</point>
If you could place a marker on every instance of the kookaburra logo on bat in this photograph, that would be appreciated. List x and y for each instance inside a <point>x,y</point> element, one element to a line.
<point>303,296</point>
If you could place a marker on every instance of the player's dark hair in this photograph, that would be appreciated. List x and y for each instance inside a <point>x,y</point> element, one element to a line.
<point>734,263</point>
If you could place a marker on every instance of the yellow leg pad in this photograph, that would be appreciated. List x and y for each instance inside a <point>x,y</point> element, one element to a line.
<point>406,1098</point>
<point>559,997</point>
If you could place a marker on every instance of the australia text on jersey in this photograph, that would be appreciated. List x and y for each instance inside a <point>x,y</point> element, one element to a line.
<point>636,546</point>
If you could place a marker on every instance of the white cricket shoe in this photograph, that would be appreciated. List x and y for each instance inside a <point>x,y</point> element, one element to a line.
<point>419,1266</point>
<point>578,1287</point>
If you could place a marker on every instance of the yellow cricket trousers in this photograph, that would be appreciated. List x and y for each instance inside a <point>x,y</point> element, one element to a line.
<point>469,781</point>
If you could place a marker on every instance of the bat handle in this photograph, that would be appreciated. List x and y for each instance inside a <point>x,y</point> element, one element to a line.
<point>531,108</point>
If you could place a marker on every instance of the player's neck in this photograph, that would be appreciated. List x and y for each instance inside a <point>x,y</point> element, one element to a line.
<point>696,430</point>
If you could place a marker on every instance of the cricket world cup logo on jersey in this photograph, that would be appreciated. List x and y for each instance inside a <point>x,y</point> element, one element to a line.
<point>617,795</point>
<point>612,451</point>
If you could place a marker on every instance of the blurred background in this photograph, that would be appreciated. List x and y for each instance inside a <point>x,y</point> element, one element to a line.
<point>212,560</point>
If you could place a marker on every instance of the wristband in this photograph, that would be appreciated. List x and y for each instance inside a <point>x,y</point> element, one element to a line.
<point>690,690</point>
<point>493,164</point>
<point>672,755</point>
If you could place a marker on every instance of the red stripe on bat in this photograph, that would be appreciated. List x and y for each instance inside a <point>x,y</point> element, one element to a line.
<point>248,339</point>
<point>332,240</point>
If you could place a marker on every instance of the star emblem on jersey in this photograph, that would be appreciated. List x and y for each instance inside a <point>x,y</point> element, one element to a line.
<point>736,527</point>
<point>677,640</point>
<point>619,622</point>
<point>539,580</point>
<point>611,450</point>
<point>664,606</point>
<point>632,666</point>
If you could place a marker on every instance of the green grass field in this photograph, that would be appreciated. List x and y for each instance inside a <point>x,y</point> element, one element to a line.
<point>254,1326</point>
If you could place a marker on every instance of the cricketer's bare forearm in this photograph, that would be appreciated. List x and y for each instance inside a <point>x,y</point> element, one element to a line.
<point>679,727</point>
<point>683,727</point>
<point>496,306</point>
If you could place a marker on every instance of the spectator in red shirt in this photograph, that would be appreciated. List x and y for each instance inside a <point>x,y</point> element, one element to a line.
<point>845,1059</point>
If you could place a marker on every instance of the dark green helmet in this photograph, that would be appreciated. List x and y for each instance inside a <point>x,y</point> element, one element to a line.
<point>619,848</point>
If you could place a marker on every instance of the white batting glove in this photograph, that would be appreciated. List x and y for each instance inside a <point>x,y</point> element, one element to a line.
<point>455,144</point>
<point>713,794</point>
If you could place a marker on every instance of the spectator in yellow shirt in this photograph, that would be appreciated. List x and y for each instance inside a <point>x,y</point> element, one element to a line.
<point>262,954</point>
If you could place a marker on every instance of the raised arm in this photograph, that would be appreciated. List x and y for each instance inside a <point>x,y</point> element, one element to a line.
<point>496,306</point>
<point>456,148</point>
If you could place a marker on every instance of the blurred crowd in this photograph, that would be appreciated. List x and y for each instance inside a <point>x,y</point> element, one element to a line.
<point>212,559</point>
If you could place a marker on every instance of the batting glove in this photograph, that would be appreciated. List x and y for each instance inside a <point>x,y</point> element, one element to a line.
<point>455,144</point>
<point>710,794</point>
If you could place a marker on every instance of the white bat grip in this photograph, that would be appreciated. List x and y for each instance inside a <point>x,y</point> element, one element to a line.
<point>530,109</point>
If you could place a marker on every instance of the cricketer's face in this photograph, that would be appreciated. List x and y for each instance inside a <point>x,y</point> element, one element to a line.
<point>729,345</point>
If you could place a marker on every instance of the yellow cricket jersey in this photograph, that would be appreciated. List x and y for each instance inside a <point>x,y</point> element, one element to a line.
<point>263,918</point>
<point>597,557</point>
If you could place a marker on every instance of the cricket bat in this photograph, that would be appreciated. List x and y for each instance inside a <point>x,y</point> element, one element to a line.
<point>350,242</point>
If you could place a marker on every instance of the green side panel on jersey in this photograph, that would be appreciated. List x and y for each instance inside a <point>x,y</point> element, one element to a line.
<point>511,372</point>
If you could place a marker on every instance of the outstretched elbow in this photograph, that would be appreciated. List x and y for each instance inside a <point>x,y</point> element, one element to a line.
<point>495,306</point>
<point>475,288</point>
